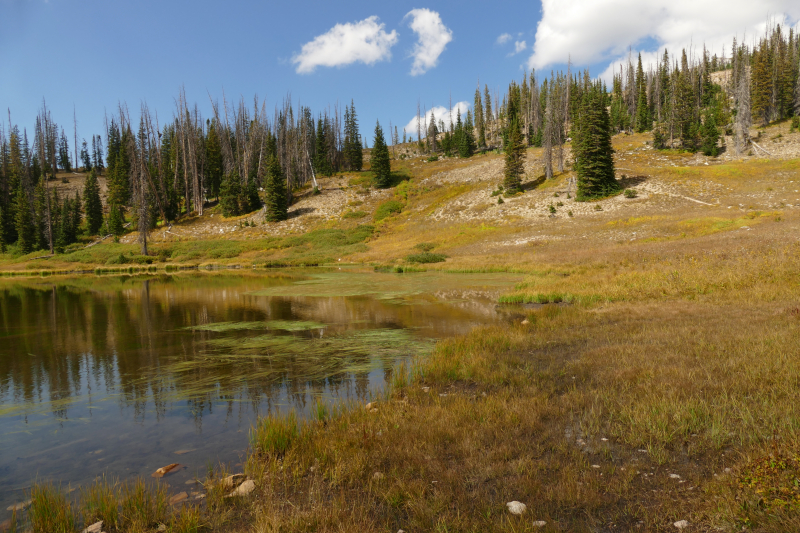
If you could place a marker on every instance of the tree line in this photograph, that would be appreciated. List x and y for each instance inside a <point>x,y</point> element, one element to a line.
<point>240,156</point>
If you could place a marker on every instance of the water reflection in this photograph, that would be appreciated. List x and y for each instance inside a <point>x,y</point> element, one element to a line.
<point>116,374</point>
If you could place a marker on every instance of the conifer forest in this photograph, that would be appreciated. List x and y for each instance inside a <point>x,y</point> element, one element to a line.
<point>248,158</point>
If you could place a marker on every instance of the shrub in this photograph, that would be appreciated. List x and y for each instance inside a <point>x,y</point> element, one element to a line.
<point>354,214</point>
<point>315,191</point>
<point>629,193</point>
<point>426,257</point>
<point>552,209</point>
<point>795,123</point>
<point>598,207</point>
<point>500,200</point>
<point>559,204</point>
<point>433,158</point>
<point>425,246</point>
<point>387,209</point>
<point>569,213</point>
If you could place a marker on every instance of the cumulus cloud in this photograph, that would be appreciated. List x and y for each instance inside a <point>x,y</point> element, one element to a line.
<point>365,41</point>
<point>594,31</point>
<point>432,39</point>
<point>519,46</point>
<point>440,113</point>
<point>504,38</point>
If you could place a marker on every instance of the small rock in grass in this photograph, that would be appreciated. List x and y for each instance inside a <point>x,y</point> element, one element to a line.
<point>525,322</point>
<point>426,389</point>
<point>377,476</point>
<point>244,489</point>
<point>595,466</point>
<point>21,506</point>
<point>94,528</point>
<point>372,406</point>
<point>178,498</point>
<point>674,476</point>
<point>539,523</point>
<point>681,524</point>
<point>516,507</point>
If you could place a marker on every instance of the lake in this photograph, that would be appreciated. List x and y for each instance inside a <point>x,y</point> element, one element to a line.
<point>121,375</point>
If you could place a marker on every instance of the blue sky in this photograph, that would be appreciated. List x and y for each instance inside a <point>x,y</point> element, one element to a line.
<point>93,54</point>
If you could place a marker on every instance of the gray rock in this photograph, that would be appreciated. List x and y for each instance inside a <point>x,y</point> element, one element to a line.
<point>516,508</point>
<point>681,524</point>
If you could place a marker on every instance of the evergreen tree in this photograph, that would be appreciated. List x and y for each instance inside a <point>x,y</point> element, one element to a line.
<point>116,220</point>
<point>2,233</point>
<point>479,121</point>
<point>514,143</point>
<point>26,236</point>
<point>643,122</point>
<point>275,192</point>
<point>230,191</point>
<point>92,203</point>
<point>761,86</point>
<point>63,153</point>
<point>488,117</point>
<point>213,163</point>
<point>466,145</point>
<point>321,160</point>
<point>380,163</point>
<point>710,135</point>
<point>592,150</point>
<point>40,214</point>
<point>87,162</point>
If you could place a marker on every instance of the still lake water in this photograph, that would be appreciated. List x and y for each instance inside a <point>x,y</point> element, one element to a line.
<point>123,375</point>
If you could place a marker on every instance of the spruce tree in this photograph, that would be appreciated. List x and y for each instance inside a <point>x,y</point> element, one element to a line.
<point>479,122</point>
<point>275,192</point>
<point>230,191</point>
<point>40,214</point>
<point>592,150</point>
<point>87,162</point>
<point>213,163</point>
<point>92,204</point>
<point>380,163</point>
<point>515,149</point>
<point>466,145</point>
<point>710,135</point>
<point>2,233</point>
<point>23,222</point>
<point>321,162</point>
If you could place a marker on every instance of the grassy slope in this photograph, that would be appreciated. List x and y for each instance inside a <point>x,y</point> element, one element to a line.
<point>677,357</point>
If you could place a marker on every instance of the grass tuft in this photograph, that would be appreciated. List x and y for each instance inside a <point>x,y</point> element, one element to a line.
<point>50,510</point>
<point>274,435</point>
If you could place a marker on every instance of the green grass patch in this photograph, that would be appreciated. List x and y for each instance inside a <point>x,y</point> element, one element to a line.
<point>387,209</point>
<point>354,214</point>
<point>426,257</point>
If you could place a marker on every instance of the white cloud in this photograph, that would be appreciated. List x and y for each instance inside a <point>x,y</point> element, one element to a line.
<point>519,46</point>
<point>440,113</point>
<point>593,31</point>
<point>364,41</point>
<point>504,38</point>
<point>432,39</point>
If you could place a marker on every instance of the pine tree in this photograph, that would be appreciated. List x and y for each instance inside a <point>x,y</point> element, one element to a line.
<point>230,190</point>
<point>26,237</point>
<point>381,165</point>
<point>40,216</point>
<point>466,145</point>
<point>2,233</point>
<point>213,163</point>
<point>479,121</point>
<point>642,109</point>
<point>761,85</point>
<point>92,203</point>
<point>321,160</point>
<point>87,162</point>
<point>488,117</point>
<point>592,150</point>
<point>275,192</point>
<point>514,143</point>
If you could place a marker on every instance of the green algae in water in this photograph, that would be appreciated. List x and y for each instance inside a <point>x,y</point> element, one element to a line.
<point>266,361</point>
<point>285,325</point>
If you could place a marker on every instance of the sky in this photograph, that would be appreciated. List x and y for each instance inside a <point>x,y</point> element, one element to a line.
<point>91,55</point>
